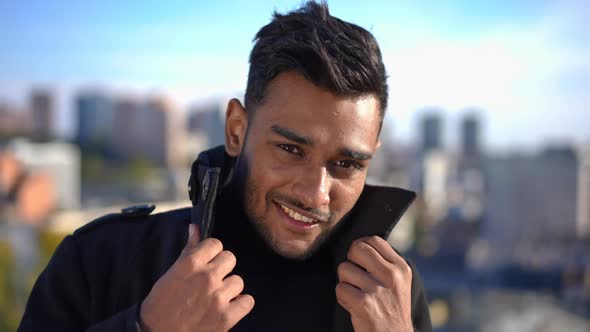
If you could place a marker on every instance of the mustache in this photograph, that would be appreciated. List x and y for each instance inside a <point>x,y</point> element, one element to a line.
<point>319,214</point>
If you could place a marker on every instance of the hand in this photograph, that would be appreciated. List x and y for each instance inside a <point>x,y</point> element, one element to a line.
<point>195,294</point>
<point>375,287</point>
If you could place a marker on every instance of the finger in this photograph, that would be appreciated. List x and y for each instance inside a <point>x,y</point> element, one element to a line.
<point>347,295</point>
<point>354,275</point>
<point>223,263</point>
<point>204,251</point>
<point>389,254</point>
<point>193,236</point>
<point>384,249</point>
<point>365,256</point>
<point>232,286</point>
<point>238,308</point>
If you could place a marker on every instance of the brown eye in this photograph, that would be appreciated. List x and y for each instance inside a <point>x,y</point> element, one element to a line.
<point>348,164</point>
<point>290,148</point>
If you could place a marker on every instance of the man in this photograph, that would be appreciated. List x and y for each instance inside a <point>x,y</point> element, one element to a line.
<point>282,212</point>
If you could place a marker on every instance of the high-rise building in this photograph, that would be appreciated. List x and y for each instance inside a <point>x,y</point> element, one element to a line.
<point>13,122</point>
<point>439,170</point>
<point>208,119</point>
<point>160,132</point>
<point>95,121</point>
<point>42,108</point>
<point>583,213</point>
<point>530,203</point>
<point>151,131</point>
<point>126,113</point>
<point>431,132</point>
<point>470,135</point>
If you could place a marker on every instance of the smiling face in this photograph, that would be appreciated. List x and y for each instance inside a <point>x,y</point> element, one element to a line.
<point>306,154</point>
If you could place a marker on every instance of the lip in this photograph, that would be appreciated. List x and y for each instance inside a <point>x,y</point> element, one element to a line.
<point>295,225</point>
<point>301,212</point>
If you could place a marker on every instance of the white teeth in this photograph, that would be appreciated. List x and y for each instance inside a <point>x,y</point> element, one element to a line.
<point>296,215</point>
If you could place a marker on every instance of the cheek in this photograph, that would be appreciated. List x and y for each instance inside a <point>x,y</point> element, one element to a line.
<point>272,170</point>
<point>345,195</point>
<point>267,176</point>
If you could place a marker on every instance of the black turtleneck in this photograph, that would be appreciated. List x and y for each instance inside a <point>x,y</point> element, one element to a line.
<point>290,295</point>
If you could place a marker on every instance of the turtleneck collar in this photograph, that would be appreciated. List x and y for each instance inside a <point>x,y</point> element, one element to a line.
<point>238,235</point>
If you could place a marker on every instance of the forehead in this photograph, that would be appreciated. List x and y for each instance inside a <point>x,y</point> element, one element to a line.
<point>293,102</point>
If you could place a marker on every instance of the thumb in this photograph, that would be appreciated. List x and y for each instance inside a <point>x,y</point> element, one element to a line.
<point>194,236</point>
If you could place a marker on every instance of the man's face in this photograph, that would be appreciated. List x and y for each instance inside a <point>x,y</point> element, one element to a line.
<point>306,153</point>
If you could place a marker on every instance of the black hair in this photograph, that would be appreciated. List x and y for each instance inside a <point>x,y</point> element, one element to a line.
<point>333,54</point>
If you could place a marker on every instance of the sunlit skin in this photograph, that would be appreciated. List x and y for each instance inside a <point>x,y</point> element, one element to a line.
<point>307,150</point>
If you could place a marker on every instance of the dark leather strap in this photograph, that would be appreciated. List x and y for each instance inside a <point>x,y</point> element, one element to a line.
<point>203,199</point>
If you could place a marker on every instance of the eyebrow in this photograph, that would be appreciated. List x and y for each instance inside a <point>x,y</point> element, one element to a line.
<point>291,135</point>
<point>355,154</point>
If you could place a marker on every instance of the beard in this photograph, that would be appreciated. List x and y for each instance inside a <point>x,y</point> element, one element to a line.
<point>249,192</point>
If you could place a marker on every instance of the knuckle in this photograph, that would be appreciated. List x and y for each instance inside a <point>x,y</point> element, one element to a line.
<point>217,301</point>
<point>341,269</point>
<point>396,275</point>
<point>391,278</point>
<point>383,269</point>
<point>234,282</point>
<point>399,276</point>
<point>364,298</point>
<point>193,261</point>
<point>342,296</point>
<point>230,257</point>
<point>238,281</point>
<point>208,280</point>
<point>358,245</point>
<point>363,246</point>
<point>215,244</point>
<point>248,302</point>
<point>374,239</point>
<point>407,269</point>
<point>356,248</point>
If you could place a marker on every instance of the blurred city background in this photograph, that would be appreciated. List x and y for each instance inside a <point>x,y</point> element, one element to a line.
<point>106,104</point>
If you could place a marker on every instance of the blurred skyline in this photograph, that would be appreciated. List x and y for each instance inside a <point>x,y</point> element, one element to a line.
<point>525,65</point>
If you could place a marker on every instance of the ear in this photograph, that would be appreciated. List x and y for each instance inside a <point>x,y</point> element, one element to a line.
<point>236,125</point>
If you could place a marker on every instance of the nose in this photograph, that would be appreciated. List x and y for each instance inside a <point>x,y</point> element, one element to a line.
<point>313,187</point>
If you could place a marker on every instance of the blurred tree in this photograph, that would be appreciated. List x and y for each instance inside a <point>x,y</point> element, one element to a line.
<point>48,242</point>
<point>15,288</point>
<point>141,169</point>
<point>93,167</point>
<point>10,312</point>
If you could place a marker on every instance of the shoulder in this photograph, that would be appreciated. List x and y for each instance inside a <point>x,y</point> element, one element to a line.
<point>131,229</point>
<point>114,241</point>
<point>127,214</point>
<point>132,217</point>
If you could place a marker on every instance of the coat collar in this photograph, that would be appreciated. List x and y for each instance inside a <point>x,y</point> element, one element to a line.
<point>376,212</point>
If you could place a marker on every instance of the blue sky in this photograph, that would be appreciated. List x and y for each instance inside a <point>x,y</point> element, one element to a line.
<point>525,64</point>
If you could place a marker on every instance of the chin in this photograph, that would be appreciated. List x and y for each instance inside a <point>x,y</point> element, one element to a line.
<point>295,249</point>
<point>295,252</point>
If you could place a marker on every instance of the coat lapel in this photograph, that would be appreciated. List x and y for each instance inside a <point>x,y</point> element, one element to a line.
<point>376,212</point>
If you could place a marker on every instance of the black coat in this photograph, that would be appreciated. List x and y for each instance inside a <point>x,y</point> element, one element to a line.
<point>99,275</point>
